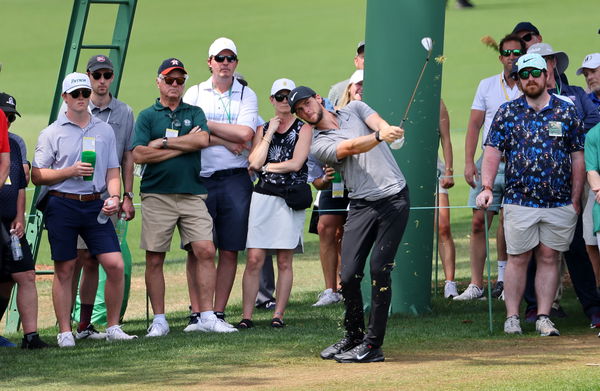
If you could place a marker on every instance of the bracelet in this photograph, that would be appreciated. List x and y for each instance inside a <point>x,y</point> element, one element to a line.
<point>264,168</point>
<point>324,178</point>
<point>115,195</point>
<point>377,136</point>
<point>449,169</point>
<point>268,141</point>
<point>486,188</point>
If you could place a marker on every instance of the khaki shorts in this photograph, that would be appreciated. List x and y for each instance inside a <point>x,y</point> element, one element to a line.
<point>588,201</point>
<point>162,212</point>
<point>525,227</point>
<point>81,243</point>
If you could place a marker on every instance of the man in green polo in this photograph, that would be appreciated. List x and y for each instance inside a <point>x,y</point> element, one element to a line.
<point>168,137</point>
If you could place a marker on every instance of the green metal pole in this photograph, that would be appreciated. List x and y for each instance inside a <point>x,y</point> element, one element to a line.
<point>393,62</point>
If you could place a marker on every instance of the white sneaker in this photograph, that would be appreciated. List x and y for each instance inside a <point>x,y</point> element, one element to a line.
<point>90,333</point>
<point>214,325</point>
<point>473,292</point>
<point>65,340</point>
<point>328,296</point>
<point>115,333</point>
<point>545,327</point>
<point>158,329</point>
<point>194,324</point>
<point>450,290</point>
<point>512,325</point>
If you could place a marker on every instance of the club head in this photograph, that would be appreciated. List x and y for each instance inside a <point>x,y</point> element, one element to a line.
<point>427,43</point>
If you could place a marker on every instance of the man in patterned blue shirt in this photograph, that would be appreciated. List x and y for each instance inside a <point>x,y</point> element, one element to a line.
<point>541,138</point>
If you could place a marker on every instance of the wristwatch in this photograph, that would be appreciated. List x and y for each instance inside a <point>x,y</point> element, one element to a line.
<point>128,194</point>
<point>377,136</point>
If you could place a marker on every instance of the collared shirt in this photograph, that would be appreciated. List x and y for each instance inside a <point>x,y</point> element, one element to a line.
<point>229,107</point>
<point>371,175</point>
<point>60,146</point>
<point>595,99</point>
<point>491,93</point>
<point>538,164</point>
<point>178,175</point>
<point>21,144</point>
<point>120,117</point>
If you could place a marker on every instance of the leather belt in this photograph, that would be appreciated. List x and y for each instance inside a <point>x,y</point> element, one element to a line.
<point>78,197</point>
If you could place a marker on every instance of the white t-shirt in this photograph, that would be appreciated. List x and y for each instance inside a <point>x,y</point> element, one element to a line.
<point>230,107</point>
<point>491,93</point>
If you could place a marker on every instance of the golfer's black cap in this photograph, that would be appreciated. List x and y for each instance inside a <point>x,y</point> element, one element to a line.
<point>8,104</point>
<point>526,26</point>
<point>99,61</point>
<point>297,94</point>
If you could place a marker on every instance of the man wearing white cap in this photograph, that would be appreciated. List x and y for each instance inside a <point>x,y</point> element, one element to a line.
<point>591,71</point>
<point>541,138</point>
<point>337,90</point>
<point>231,110</point>
<point>74,201</point>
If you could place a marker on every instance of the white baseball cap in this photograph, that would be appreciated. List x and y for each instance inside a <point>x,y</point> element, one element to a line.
<point>221,44</point>
<point>356,77</point>
<point>74,81</point>
<point>591,61</point>
<point>531,60</point>
<point>282,84</point>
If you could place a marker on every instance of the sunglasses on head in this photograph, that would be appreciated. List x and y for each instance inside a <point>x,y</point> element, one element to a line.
<point>11,117</point>
<point>280,97</point>
<point>98,75</point>
<point>82,91</point>
<point>508,52</point>
<point>221,58</point>
<point>170,80</point>
<point>527,37</point>
<point>524,74</point>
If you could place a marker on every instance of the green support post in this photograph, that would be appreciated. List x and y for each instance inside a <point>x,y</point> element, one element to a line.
<point>393,62</point>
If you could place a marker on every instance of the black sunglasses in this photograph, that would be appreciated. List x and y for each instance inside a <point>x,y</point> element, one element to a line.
<point>221,58</point>
<point>508,52</point>
<point>11,117</point>
<point>524,74</point>
<point>170,80</point>
<point>82,91</point>
<point>98,75</point>
<point>527,37</point>
<point>280,97</point>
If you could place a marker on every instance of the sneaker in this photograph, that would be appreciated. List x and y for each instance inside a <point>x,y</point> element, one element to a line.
<point>512,325</point>
<point>473,292</point>
<point>531,315</point>
<point>498,290</point>
<point>342,346</point>
<point>115,333</point>
<point>90,332</point>
<point>362,353</point>
<point>221,316</point>
<point>33,341</point>
<point>328,296</point>
<point>450,290</point>
<point>5,343</point>
<point>65,340</point>
<point>595,321</point>
<point>193,324</point>
<point>214,325</point>
<point>545,327</point>
<point>158,329</point>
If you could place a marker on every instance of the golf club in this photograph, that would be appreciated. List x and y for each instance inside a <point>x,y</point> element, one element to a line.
<point>427,43</point>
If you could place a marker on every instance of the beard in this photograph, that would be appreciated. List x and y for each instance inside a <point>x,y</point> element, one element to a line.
<point>319,117</point>
<point>534,90</point>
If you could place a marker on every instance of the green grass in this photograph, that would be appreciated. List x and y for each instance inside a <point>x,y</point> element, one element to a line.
<point>312,43</point>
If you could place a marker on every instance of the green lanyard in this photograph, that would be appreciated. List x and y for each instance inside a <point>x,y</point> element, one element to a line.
<point>228,108</point>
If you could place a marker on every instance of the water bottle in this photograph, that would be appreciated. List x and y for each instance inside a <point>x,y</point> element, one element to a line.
<point>337,185</point>
<point>15,246</point>
<point>102,218</point>
<point>121,228</point>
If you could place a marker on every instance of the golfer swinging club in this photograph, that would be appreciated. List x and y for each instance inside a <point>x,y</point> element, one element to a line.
<point>350,140</point>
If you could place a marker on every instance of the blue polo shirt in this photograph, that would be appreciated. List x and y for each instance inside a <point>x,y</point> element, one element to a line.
<point>595,99</point>
<point>538,165</point>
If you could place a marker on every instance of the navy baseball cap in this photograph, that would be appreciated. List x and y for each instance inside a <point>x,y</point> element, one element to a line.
<point>169,65</point>
<point>8,104</point>
<point>297,94</point>
<point>526,26</point>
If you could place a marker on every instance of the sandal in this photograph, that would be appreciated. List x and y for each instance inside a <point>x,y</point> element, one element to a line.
<point>245,324</point>
<point>277,323</point>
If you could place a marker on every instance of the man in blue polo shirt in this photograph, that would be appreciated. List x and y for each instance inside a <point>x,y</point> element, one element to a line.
<point>591,71</point>
<point>168,138</point>
<point>541,137</point>
<point>74,202</point>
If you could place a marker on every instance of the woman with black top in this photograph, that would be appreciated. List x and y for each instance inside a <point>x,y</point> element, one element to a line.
<point>279,152</point>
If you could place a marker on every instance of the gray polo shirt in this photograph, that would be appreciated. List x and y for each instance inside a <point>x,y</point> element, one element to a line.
<point>120,117</point>
<point>371,175</point>
<point>60,145</point>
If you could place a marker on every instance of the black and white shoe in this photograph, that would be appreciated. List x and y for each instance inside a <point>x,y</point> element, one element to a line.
<point>362,353</point>
<point>343,345</point>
